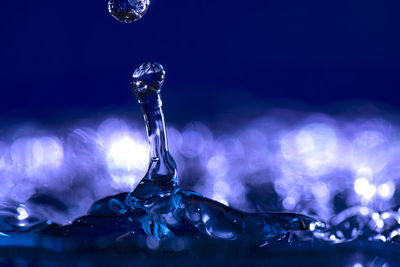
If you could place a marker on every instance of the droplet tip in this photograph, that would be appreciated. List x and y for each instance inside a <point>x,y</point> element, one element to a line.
<point>148,79</point>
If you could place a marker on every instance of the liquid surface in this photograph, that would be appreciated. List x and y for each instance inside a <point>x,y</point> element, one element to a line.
<point>158,215</point>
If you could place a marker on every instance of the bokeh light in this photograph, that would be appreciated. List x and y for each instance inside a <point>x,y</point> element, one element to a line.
<point>309,163</point>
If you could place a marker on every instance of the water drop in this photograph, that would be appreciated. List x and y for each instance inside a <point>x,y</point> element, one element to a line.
<point>148,79</point>
<point>128,11</point>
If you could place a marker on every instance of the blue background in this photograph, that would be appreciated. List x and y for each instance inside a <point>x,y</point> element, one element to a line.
<point>72,57</point>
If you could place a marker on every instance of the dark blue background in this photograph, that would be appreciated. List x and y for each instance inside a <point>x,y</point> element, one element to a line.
<point>72,56</point>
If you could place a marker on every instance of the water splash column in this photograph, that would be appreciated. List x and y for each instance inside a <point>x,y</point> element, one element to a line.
<point>147,81</point>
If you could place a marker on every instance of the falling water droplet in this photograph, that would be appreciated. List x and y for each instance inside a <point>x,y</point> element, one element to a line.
<point>128,11</point>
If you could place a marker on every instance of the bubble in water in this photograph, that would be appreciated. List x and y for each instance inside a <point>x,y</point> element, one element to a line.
<point>128,11</point>
<point>148,79</point>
